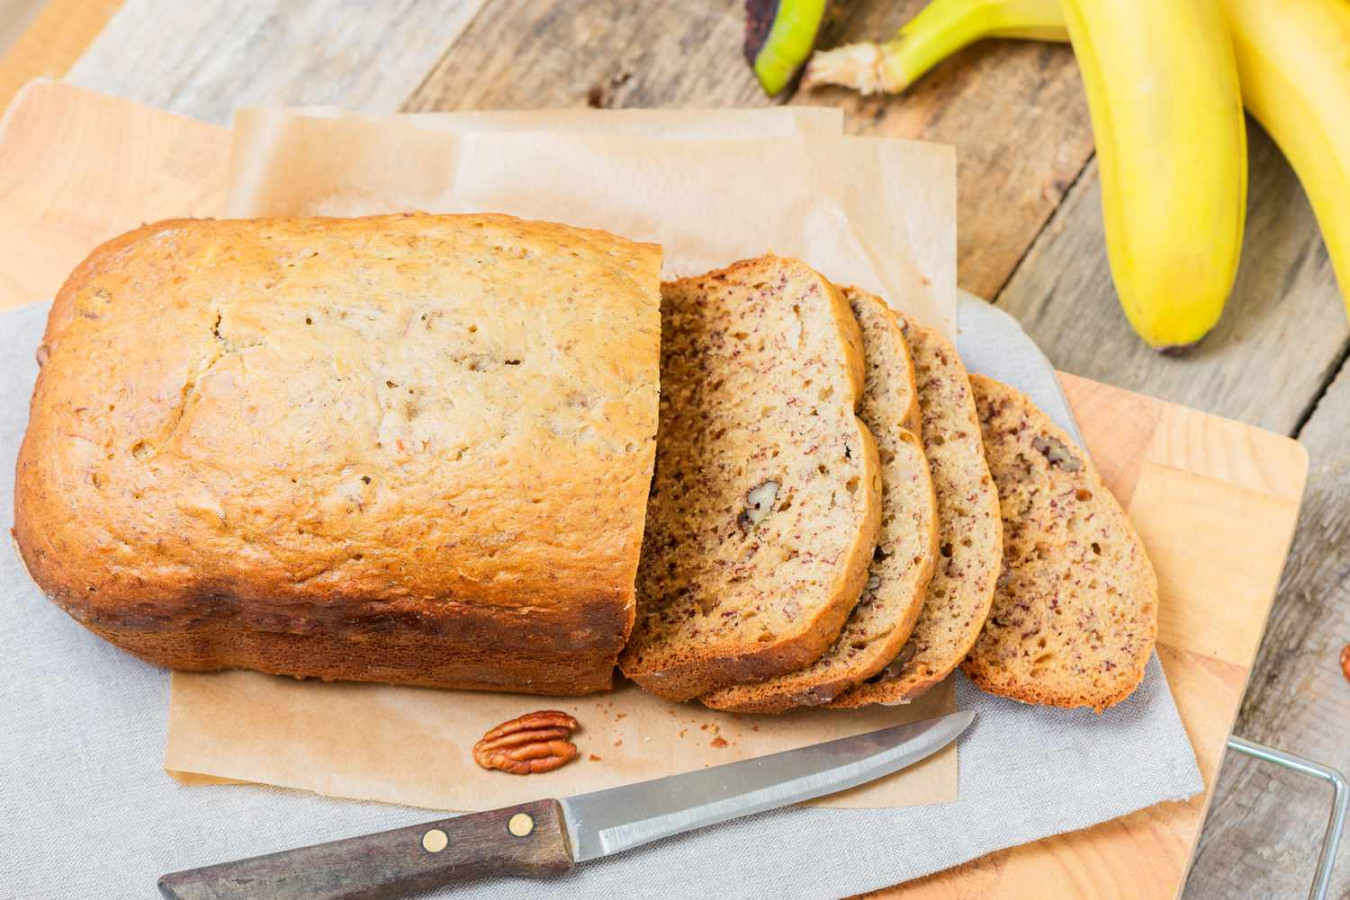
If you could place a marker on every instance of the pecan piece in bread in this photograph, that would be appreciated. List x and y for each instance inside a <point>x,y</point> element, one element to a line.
<point>532,743</point>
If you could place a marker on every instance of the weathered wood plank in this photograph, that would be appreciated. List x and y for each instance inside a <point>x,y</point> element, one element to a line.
<point>1281,335</point>
<point>534,54</point>
<point>203,59</point>
<point>50,42</point>
<point>1014,111</point>
<point>1265,825</point>
<point>15,17</point>
<point>1017,115</point>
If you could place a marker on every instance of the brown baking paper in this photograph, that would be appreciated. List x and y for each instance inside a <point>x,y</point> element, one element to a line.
<point>709,187</point>
<point>412,745</point>
<point>876,213</point>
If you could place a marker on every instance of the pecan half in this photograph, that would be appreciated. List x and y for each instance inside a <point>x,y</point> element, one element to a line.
<point>533,743</point>
<point>1057,453</point>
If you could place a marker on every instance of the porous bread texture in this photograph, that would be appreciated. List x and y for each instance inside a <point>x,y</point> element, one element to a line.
<point>404,448</point>
<point>1075,615</point>
<point>969,530</point>
<point>766,500</point>
<point>902,565</point>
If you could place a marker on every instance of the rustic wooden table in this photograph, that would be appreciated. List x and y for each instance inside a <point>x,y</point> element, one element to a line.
<point>1030,240</point>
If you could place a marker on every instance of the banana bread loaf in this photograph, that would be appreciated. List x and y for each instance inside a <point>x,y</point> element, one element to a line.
<point>409,448</point>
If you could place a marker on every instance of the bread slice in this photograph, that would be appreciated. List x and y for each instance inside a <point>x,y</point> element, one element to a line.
<point>969,530</point>
<point>766,501</point>
<point>1075,615</point>
<point>903,563</point>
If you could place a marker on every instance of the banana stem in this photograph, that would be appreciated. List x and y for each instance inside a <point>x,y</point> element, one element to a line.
<point>940,29</point>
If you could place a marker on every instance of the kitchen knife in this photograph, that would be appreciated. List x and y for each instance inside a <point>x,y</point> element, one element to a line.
<point>547,837</point>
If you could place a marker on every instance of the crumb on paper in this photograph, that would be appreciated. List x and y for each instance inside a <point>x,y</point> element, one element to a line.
<point>593,758</point>
<point>718,743</point>
<point>754,728</point>
<point>703,727</point>
<point>621,715</point>
<point>619,742</point>
<point>683,732</point>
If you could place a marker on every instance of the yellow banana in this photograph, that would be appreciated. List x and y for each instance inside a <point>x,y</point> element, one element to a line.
<point>1293,58</point>
<point>936,32</point>
<point>1162,89</point>
<point>1293,63</point>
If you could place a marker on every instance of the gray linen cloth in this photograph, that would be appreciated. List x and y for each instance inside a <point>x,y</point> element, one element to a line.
<point>87,810</point>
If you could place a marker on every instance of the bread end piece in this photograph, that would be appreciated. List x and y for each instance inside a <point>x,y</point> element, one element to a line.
<point>1075,616</point>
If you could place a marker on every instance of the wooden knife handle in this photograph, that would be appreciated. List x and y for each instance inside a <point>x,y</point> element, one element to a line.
<point>527,840</point>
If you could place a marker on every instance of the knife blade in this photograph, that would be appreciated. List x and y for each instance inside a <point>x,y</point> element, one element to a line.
<point>547,837</point>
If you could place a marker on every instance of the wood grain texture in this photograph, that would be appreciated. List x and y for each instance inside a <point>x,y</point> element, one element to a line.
<point>1267,823</point>
<point>1155,457</point>
<point>54,38</point>
<point>1017,115</point>
<point>207,57</point>
<point>1015,111</point>
<point>1281,336</point>
<point>536,54</point>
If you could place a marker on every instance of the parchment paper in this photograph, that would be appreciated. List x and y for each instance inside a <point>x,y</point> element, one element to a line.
<point>876,213</point>
<point>412,745</point>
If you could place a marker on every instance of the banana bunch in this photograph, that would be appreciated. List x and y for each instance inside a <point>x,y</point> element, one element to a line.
<point>1166,81</point>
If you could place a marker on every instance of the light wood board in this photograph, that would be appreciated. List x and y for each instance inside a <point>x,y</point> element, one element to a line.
<point>1215,501</point>
<point>53,35</point>
<point>207,57</point>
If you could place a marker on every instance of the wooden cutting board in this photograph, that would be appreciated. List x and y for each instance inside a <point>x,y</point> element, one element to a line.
<point>1215,501</point>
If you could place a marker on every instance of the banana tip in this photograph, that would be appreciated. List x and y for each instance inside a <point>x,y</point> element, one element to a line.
<point>1178,351</point>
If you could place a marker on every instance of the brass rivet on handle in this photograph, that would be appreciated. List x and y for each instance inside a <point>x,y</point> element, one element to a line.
<point>435,840</point>
<point>521,824</point>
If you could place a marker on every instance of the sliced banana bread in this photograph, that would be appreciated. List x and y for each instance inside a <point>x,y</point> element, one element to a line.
<point>1075,614</point>
<point>969,530</point>
<point>903,563</point>
<point>766,501</point>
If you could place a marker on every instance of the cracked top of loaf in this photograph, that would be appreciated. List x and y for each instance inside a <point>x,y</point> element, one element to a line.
<point>302,422</point>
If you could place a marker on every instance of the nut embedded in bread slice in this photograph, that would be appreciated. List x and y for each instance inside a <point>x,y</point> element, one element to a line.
<point>765,503</point>
<point>1075,615</point>
<point>906,545</point>
<point>969,530</point>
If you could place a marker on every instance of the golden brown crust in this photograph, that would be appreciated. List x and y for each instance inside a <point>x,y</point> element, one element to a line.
<point>723,601</point>
<point>1075,614</point>
<point>403,448</point>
